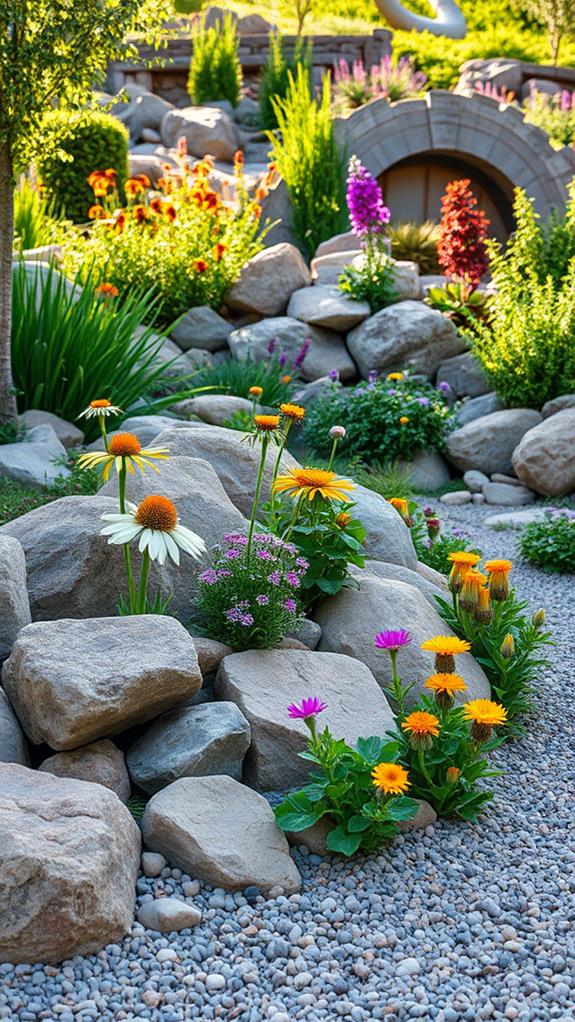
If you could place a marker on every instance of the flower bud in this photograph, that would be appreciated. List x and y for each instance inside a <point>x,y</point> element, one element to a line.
<point>452,775</point>
<point>508,646</point>
<point>337,432</point>
<point>538,619</point>
<point>433,527</point>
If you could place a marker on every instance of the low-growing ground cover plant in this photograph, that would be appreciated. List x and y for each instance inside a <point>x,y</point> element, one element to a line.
<point>384,417</point>
<point>442,746</point>
<point>360,789</point>
<point>550,542</point>
<point>180,240</point>
<point>390,79</point>
<point>69,340</point>
<point>555,114</point>
<point>526,343</point>
<point>486,612</point>
<point>17,500</point>
<point>373,280</point>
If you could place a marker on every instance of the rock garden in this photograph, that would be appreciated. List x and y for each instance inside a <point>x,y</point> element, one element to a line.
<point>285,683</point>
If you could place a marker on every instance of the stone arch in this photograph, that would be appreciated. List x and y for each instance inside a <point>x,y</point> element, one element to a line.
<point>475,130</point>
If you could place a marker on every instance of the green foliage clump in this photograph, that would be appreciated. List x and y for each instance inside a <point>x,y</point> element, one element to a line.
<point>308,158</point>
<point>84,141</point>
<point>372,281</point>
<point>275,77</point>
<point>69,345</point>
<point>554,115</point>
<point>550,543</point>
<point>17,500</point>
<point>215,70</point>
<point>416,242</point>
<point>372,415</point>
<point>36,220</point>
<point>342,789</point>
<point>234,377</point>
<point>434,542</point>
<point>526,344</point>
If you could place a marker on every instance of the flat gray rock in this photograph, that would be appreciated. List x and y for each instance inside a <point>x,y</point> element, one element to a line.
<point>168,915</point>
<point>325,305</point>
<point>67,433</point>
<point>190,741</point>
<point>13,745</point>
<point>478,407</point>
<point>202,327</point>
<point>71,682</point>
<point>216,829</point>
<point>506,495</point>
<point>206,129</point>
<point>263,683</point>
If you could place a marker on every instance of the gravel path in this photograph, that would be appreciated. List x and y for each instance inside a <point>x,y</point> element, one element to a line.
<point>460,922</point>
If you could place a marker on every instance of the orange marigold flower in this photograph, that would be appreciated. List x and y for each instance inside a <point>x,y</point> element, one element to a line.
<point>446,648</point>
<point>107,290</point>
<point>141,214</point>
<point>133,187</point>
<point>170,212</point>
<point>218,251</point>
<point>286,379</point>
<point>96,212</point>
<point>445,686</point>
<point>266,423</point>
<point>120,223</point>
<point>157,205</point>
<point>143,179</point>
<point>294,412</point>
<point>200,265</point>
<point>484,714</point>
<point>423,727</point>
<point>390,778</point>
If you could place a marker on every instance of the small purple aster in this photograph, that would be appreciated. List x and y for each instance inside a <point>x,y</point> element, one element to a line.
<point>275,578</point>
<point>391,640</point>
<point>307,708</point>
<point>262,599</point>
<point>334,375</point>
<point>264,555</point>
<point>290,605</point>
<point>292,578</point>
<point>231,554</point>
<point>209,577</point>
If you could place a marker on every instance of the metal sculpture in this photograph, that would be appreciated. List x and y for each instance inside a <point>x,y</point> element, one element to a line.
<point>448,20</point>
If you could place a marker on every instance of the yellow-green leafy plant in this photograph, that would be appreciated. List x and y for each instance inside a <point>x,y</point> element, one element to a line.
<point>215,69</point>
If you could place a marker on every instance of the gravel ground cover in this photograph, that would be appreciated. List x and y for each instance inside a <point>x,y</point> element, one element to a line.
<point>459,922</point>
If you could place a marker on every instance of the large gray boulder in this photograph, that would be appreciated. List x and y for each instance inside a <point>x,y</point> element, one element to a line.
<point>67,433</point>
<point>99,762</point>
<point>464,374</point>
<point>71,682</point>
<point>325,305</point>
<point>327,350</point>
<point>478,407</point>
<point>268,281</point>
<point>13,745</point>
<point>395,572</point>
<point>216,829</point>
<point>217,409</point>
<point>263,683</point>
<point>405,335</point>
<point>203,328</point>
<point>190,741</point>
<point>206,129</point>
<point>388,538</point>
<point>351,620</point>
<point>148,111</point>
<point>69,859</point>
<point>14,600</point>
<point>544,459</point>
<point>488,443</point>
<point>36,461</point>
<point>558,404</point>
<point>234,461</point>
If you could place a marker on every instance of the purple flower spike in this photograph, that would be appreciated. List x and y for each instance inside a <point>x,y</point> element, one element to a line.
<point>301,355</point>
<point>392,641</point>
<point>307,708</point>
<point>367,210</point>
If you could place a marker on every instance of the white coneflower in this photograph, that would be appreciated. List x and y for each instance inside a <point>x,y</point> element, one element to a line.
<point>155,522</point>
<point>102,407</point>
<point>124,449</point>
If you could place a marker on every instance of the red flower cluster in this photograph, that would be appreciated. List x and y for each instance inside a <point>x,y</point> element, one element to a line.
<point>463,230</point>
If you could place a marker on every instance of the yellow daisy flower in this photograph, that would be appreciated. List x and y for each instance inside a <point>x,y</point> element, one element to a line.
<point>446,647</point>
<point>484,714</point>
<point>423,727</point>
<point>445,686</point>
<point>390,778</point>
<point>309,482</point>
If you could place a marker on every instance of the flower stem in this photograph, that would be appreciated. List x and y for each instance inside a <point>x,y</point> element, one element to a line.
<point>332,455</point>
<point>255,505</point>
<point>127,557</point>
<point>102,421</point>
<point>143,590</point>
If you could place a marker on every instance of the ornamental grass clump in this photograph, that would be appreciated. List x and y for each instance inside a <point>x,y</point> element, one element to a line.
<point>215,69</point>
<point>391,80</point>
<point>360,790</point>
<point>487,615</point>
<point>384,417</point>
<point>179,240</point>
<point>442,746</point>
<point>372,281</point>
<point>154,522</point>
<point>550,542</point>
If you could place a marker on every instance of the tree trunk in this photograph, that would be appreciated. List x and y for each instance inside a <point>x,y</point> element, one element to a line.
<point>8,408</point>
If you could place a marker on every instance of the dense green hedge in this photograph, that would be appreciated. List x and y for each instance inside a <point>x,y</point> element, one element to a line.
<point>94,141</point>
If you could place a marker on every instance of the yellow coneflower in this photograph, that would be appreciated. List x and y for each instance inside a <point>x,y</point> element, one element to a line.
<point>313,482</point>
<point>423,727</point>
<point>446,648</point>
<point>484,715</point>
<point>390,778</point>
<point>124,449</point>
<point>498,572</point>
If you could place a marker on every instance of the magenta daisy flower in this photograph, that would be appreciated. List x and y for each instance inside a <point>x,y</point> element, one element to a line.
<point>392,641</point>
<point>307,708</point>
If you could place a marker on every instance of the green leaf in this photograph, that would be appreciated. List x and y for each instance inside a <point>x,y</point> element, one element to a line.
<point>297,812</point>
<point>357,824</point>
<point>338,840</point>
<point>402,808</point>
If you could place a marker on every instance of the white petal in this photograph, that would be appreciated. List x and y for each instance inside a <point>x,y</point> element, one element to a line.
<point>171,548</point>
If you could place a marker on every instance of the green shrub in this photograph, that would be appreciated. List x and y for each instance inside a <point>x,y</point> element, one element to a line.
<point>310,161</point>
<point>87,141</point>
<point>550,543</point>
<point>372,415</point>
<point>233,377</point>
<point>188,247</point>
<point>215,70</point>
<point>70,346</point>
<point>275,78</point>
<point>555,114</point>
<point>417,242</point>
<point>35,217</point>
<point>526,344</point>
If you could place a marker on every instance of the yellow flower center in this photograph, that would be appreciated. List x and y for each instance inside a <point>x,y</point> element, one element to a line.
<point>101,403</point>
<point>266,423</point>
<point>124,445</point>
<point>157,513</point>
